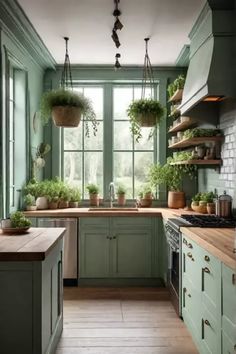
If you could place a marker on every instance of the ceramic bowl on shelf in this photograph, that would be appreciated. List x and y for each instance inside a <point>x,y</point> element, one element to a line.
<point>15,230</point>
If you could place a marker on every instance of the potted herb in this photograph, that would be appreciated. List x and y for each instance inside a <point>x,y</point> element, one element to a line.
<point>172,177</point>
<point>53,191</point>
<point>208,198</point>
<point>75,197</point>
<point>18,220</point>
<point>144,113</point>
<point>145,195</point>
<point>66,107</point>
<point>93,190</point>
<point>29,200</point>
<point>177,84</point>
<point>121,191</point>
<point>64,196</point>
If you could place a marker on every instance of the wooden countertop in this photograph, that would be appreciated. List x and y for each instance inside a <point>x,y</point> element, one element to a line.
<point>219,242</point>
<point>31,246</point>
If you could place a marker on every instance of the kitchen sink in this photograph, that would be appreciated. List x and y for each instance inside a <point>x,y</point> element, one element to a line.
<point>113,209</point>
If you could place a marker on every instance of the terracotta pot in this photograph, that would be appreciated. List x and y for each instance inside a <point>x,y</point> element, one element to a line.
<point>73,204</point>
<point>198,208</point>
<point>176,200</point>
<point>211,208</point>
<point>52,205</point>
<point>41,203</point>
<point>147,120</point>
<point>66,116</point>
<point>121,199</point>
<point>94,199</point>
<point>63,204</point>
<point>145,202</point>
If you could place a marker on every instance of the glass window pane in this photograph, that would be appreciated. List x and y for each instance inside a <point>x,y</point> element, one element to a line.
<point>93,170</point>
<point>138,92</point>
<point>94,142</point>
<point>145,143</point>
<point>95,94</point>
<point>123,171</point>
<point>142,162</point>
<point>73,138</point>
<point>73,168</point>
<point>122,136</point>
<point>122,96</point>
<point>78,89</point>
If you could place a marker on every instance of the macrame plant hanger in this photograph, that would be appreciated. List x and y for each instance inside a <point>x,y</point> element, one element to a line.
<point>66,76</point>
<point>148,78</point>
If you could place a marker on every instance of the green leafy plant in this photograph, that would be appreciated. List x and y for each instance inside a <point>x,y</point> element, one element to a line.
<point>75,194</point>
<point>29,200</point>
<point>121,190</point>
<point>144,107</point>
<point>61,97</point>
<point>181,156</point>
<point>171,175</point>
<point>92,188</point>
<point>200,132</point>
<point>207,197</point>
<point>177,84</point>
<point>19,220</point>
<point>64,194</point>
<point>145,190</point>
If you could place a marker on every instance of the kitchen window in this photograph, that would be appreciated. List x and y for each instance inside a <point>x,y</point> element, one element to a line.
<point>113,155</point>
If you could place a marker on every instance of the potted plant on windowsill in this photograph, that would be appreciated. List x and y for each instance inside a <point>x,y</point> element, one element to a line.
<point>172,177</point>
<point>29,200</point>
<point>121,191</point>
<point>66,107</point>
<point>93,190</point>
<point>145,112</point>
<point>64,196</point>
<point>75,197</point>
<point>145,196</point>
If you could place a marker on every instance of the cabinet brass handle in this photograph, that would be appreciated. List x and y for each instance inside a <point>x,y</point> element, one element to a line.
<point>192,259</point>
<point>207,258</point>
<point>189,254</point>
<point>234,280</point>
<point>185,290</point>
<point>190,245</point>
<point>185,241</point>
<point>235,347</point>
<point>189,295</point>
<point>206,270</point>
<point>114,237</point>
<point>207,323</point>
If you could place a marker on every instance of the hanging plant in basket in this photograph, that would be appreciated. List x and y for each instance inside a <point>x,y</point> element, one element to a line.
<point>66,107</point>
<point>145,112</point>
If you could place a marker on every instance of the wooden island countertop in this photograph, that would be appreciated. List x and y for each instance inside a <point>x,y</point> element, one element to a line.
<point>219,242</point>
<point>34,245</point>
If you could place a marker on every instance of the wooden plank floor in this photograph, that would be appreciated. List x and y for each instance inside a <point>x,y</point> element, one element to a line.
<point>122,321</point>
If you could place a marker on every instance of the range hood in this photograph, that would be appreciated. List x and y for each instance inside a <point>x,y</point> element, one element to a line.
<point>209,77</point>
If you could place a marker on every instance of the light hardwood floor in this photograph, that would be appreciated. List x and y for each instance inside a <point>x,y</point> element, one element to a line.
<point>122,321</point>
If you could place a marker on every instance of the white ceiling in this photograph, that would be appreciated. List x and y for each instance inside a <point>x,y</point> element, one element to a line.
<point>89,23</point>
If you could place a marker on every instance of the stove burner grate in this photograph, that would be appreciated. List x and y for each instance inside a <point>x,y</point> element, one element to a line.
<point>209,221</point>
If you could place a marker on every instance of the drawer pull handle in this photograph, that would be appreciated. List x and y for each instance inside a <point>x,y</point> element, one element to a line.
<point>206,270</point>
<point>189,254</point>
<point>185,290</point>
<point>207,258</point>
<point>235,347</point>
<point>207,323</point>
<point>185,241</point>
<point>190,245</point>
<point>114,237</point>
<point>189,295</point>
<point>234,282</point>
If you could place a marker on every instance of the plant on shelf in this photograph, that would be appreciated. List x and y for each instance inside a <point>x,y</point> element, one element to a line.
<point>200,132</point>
<point>93,190</point>
<point>18,220</point>
<point>145,112</point>
<point>29,201</point>
<point>145,196</point>
<point>64,196</point>
<point>204,202</point>
<point>75,197</point>
<point>172,176</point>
<point>53,191</point>
<point>177,84</point>
<point>181,156</point>
<point>66,106</point>
<point>121,191</point>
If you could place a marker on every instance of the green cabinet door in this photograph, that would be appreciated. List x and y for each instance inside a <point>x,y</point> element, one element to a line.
<point>131,251</point>
<point>94,253</point>
<point>229,303</point>
<point>210,332</point>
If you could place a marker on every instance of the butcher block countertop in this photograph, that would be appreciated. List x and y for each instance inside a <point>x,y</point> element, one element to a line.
<point>34,245</point>
<point>219,242</point>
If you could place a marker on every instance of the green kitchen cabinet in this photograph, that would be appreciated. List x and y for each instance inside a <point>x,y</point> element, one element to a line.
<point>31,304</point>
<point>208,300</point>
<point>117,247</point>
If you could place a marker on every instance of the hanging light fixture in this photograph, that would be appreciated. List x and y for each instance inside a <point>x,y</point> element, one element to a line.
<point>117,65</point>
<point>66,76</point>
<point>117,25</point>
<point>148,78</point>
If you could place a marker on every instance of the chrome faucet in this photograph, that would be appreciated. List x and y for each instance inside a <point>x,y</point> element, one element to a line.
<point>111,193</point>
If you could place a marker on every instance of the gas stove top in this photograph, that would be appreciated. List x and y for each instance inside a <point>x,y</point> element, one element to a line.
<point>208,221</point>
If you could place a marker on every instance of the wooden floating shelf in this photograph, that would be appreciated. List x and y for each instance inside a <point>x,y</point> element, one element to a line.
<point>177,96</point>
<point>198,162</point>
<point>195,141</point>
<point>183,125</point>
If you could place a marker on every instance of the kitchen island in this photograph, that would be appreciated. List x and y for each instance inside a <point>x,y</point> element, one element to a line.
<point>31,316</point>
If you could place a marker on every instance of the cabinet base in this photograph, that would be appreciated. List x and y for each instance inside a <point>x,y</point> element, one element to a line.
<point>121,282</point>
<point>70,282</point>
